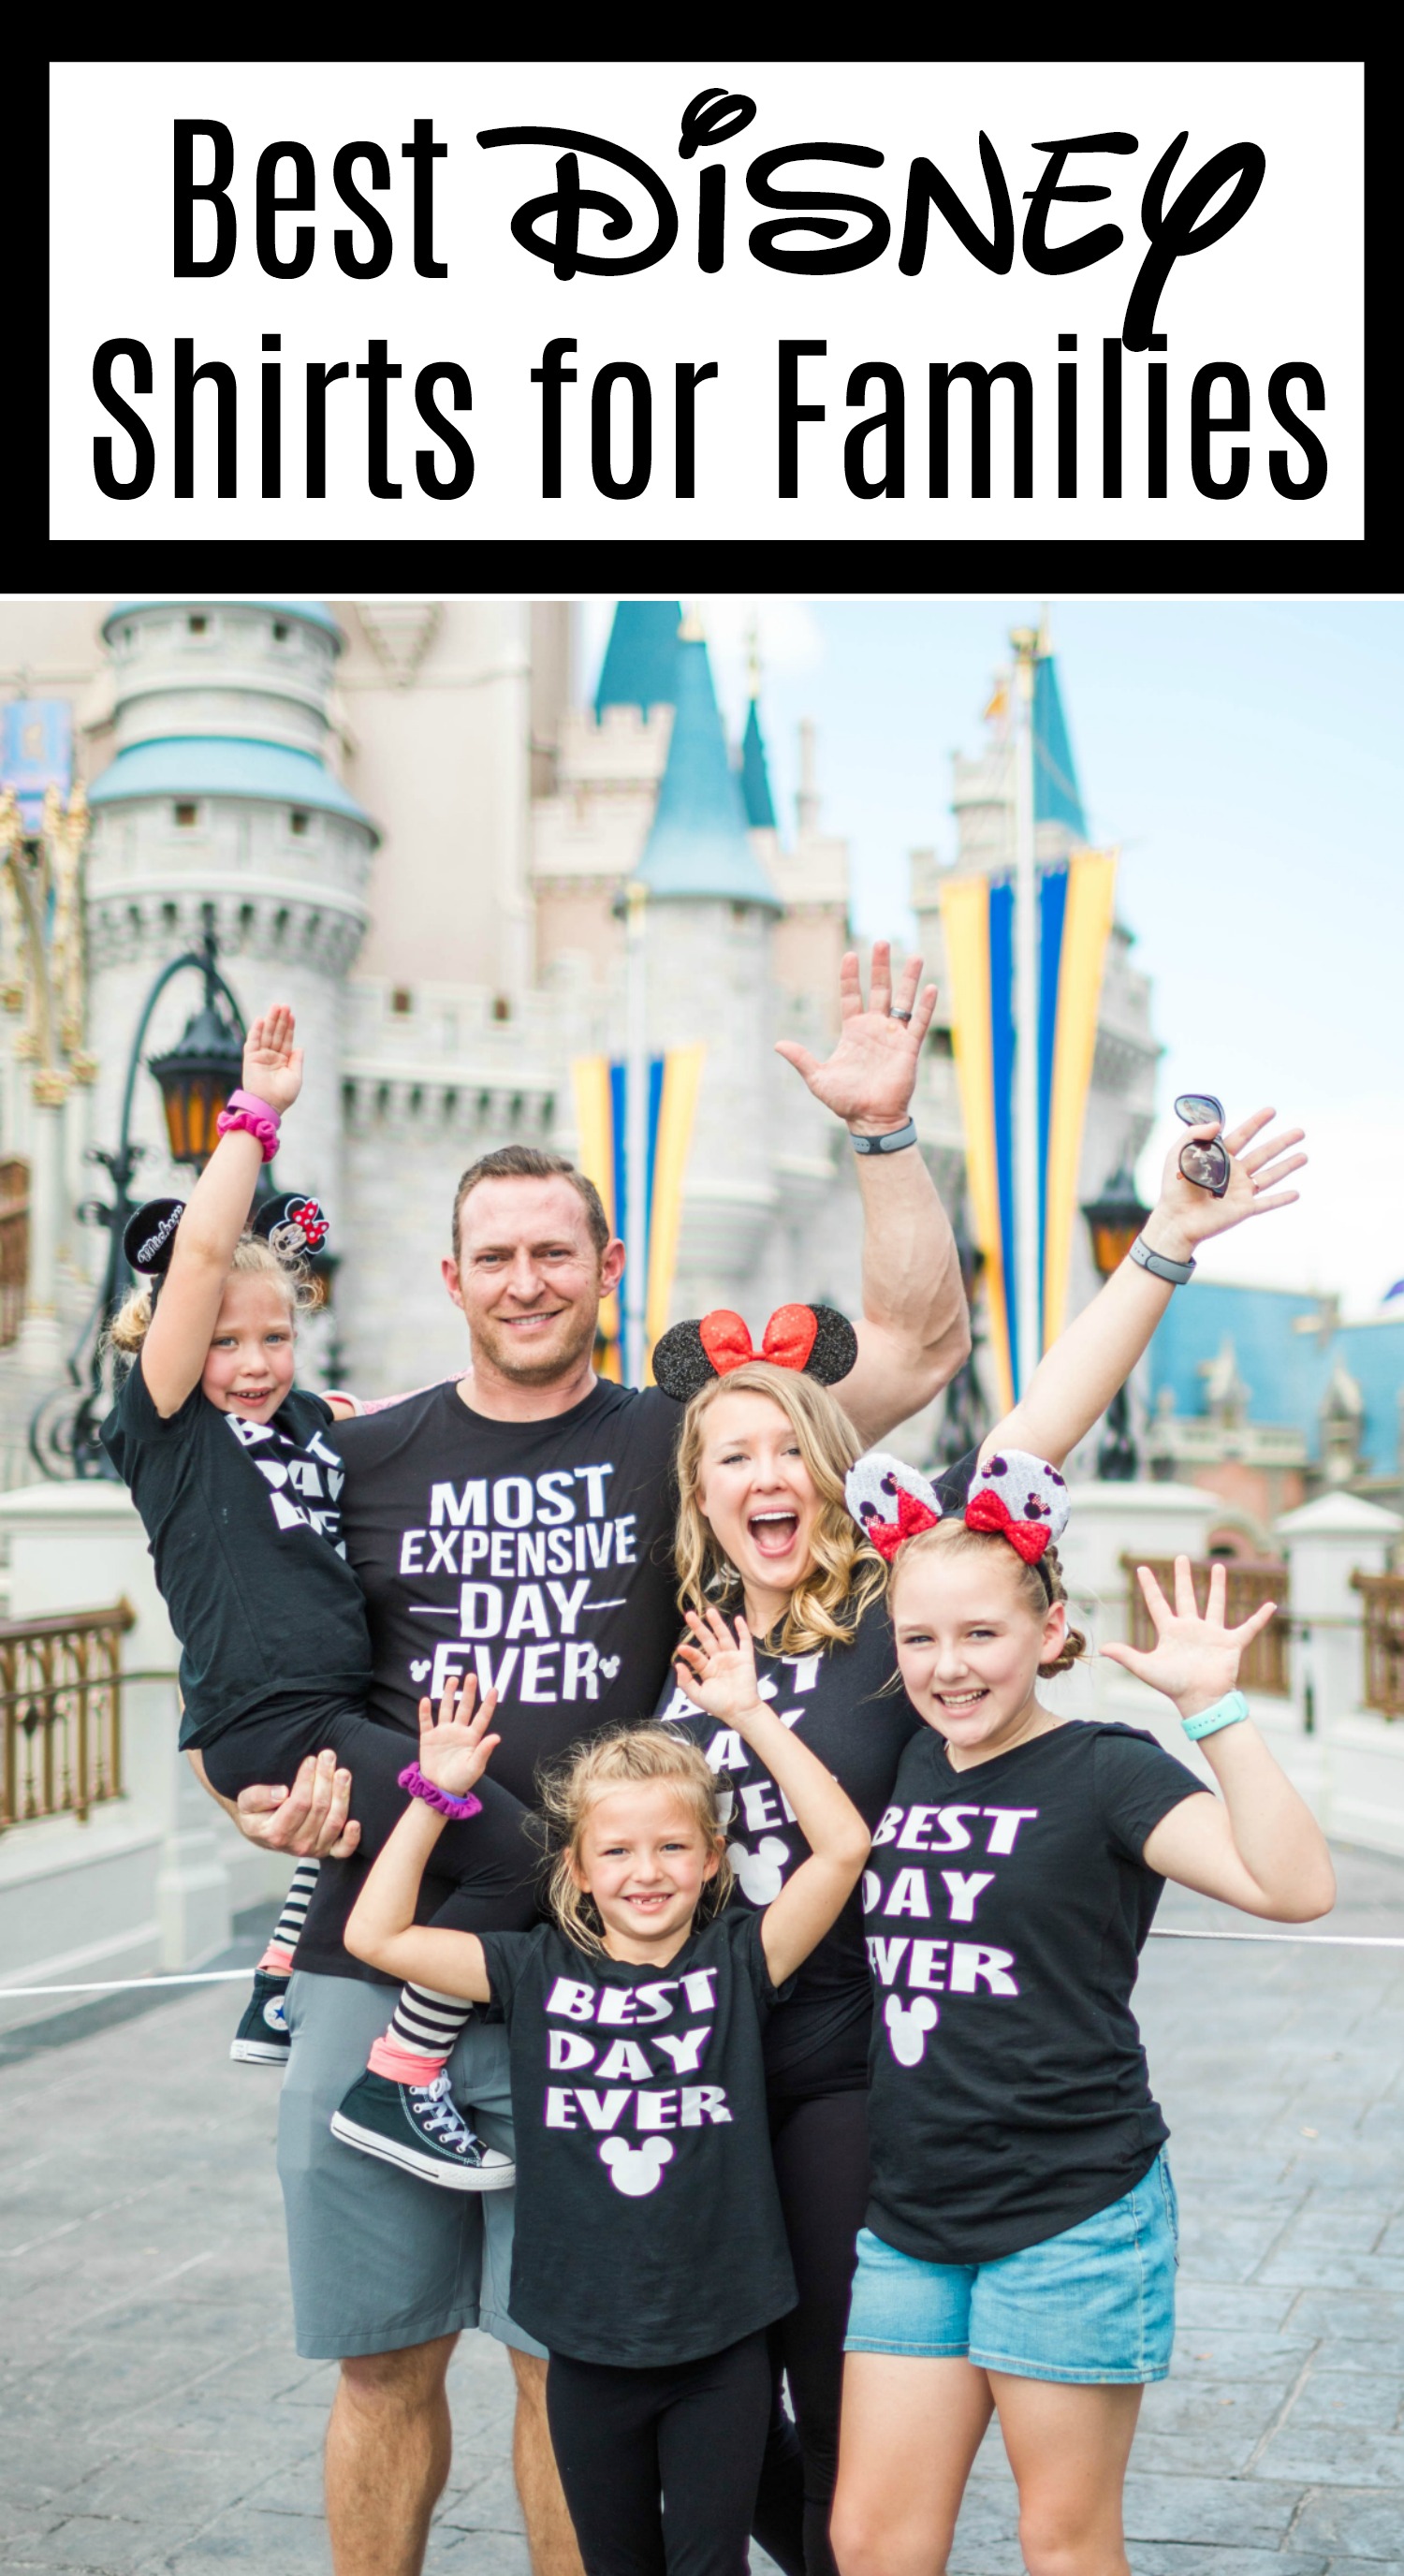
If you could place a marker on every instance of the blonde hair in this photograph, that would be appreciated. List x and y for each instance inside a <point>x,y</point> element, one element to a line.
<point>1041,1584</point>
<point>627,1756</point>
<point>846,1576</point>
<point>132,1321</point>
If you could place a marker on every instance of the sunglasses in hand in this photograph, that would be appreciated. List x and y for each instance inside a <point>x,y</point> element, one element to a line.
<point>1204,1161</point>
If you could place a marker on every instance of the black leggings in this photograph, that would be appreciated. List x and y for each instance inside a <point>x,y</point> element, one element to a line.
<point>821,2164</point>
<point>660,2466</point>
<point>484,1869</point>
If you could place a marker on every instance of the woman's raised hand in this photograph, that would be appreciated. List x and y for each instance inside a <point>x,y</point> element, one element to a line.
<point>1194,1660</point>
<point>716,1667</point>
<point>272,1064</point>
<point>1186,1215</point>
<point>454,1747</point>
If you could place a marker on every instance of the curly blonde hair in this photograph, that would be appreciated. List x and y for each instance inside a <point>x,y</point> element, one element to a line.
<point>846,1577</point>
<point>1041,1585</point>
<point>132,1321</point>
<point>628,1755</point>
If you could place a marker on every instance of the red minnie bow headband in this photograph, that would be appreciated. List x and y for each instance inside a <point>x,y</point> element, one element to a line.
<point>1014,1495</point>
<point>815,1341</point>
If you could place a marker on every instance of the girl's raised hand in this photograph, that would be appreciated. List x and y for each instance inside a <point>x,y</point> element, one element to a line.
<point>454,1747</point>
<point>1186,1215</point>
<point>1194,1660</point>
<point>272,1064</point>
<point>717,1668</point>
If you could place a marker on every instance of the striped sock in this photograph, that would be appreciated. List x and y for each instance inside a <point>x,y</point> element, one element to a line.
<point>425,2024</point>
<point>287,1929</point>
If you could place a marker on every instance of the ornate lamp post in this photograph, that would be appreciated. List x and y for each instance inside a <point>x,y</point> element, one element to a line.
<point>196,1077</point>
<point>1114,1220</point>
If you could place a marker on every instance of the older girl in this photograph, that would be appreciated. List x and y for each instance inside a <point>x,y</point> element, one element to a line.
<point>763,1530</point>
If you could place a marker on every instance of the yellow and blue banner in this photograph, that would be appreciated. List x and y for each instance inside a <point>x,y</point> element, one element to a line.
<point>1075,902</point>
<point>602,1123</point>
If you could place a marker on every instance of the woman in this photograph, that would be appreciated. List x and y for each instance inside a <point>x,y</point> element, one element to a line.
<point>764,1532</point>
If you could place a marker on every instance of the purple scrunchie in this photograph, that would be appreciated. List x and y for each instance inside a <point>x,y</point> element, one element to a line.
<point>412,1778</point>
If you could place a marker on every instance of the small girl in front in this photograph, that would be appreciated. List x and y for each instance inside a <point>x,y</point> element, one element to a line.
<point>1019,2252</point>
<point>650,2254</point>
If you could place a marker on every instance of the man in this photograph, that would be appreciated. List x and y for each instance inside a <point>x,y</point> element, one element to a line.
<point>452,1501</point>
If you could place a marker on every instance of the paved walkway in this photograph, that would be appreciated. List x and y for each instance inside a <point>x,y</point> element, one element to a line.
<point>153,2416</point>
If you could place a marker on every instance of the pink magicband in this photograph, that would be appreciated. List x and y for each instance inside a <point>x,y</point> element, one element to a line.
<point>245,1111</point>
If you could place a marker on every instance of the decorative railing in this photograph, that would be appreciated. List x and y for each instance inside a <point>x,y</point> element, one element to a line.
<point>1264,1666</point>
<point>61,1711</point>
<point>1383,1596</point>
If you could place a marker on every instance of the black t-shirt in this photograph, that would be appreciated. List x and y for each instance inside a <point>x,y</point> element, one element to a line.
<point>1006,1906</point>
<point>536,1555</point>
<point>844,1708</point>
<point>242,1519</point>
<point>648,2223</point>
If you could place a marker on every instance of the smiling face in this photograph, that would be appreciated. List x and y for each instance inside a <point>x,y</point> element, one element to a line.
<point>249,1365</point>
<point>969,1645</point>
<point>529,1279</point>
<point>756,1493</point>
<point>644,1858</point>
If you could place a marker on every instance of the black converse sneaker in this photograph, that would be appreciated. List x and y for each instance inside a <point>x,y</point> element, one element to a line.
<point>263,2038</point>
<point>420,2128</point>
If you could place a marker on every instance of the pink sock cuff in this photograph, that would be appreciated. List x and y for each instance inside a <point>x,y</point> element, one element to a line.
<point>277,1960</point>
<point>401,2065</point>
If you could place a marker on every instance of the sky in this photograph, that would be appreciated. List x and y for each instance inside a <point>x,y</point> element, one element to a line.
<point>1245,756</point>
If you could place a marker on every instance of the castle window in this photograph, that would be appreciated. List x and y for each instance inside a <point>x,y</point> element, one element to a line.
<point>402,1001</point>
<point>197,625</point>
<point>280,632</point>
<point>297,824</point>
<point>501,1006</point>
<point>941,1042</point>
<point>187,816</point>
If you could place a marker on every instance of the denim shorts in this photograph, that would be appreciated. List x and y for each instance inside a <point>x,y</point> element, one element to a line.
<point>1094,2305</point>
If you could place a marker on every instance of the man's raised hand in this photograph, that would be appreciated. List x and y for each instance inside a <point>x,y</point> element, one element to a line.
<point>869,1079</point>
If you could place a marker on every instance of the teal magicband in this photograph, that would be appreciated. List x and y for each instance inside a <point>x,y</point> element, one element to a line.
<point>1228,1711</point>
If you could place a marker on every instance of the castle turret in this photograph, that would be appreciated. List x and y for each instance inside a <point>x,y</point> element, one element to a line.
<point>220,804</point>
<point>589,836</point>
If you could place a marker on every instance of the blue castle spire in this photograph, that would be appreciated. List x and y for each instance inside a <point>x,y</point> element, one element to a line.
<point>698,845</point>
<point>1057,796</point>
<point>755,776</point>
<point>640,663</point>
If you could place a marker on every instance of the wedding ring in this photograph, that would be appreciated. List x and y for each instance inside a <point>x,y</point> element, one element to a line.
<point>899,1015</point>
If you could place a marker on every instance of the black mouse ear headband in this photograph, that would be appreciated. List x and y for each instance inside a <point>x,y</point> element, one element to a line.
<point>814,1341</point>
<point>148,1238</point>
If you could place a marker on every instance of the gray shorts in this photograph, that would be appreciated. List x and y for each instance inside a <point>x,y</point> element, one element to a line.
<point>380,2261</point>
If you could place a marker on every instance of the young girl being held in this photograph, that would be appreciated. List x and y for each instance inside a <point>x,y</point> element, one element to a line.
<point>231,1469</point>
<point>650,2253</point>
<point>1019,2253</point>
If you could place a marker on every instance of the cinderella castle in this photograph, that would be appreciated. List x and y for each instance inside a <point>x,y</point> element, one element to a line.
<point>406,818</point>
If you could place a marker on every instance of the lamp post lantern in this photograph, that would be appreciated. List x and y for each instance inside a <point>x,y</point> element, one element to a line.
<point>1113,1221</point>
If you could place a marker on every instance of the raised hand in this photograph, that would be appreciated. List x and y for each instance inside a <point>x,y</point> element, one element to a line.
<point>1186,1215</point>
<point>454,1747</point>
<point>869,1079</point>
<point>717,1667</point>
<point>1194,1660</point>
<point>272,1064</point>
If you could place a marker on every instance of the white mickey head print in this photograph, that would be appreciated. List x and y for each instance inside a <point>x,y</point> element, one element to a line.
<point>609,1666</point>
<point>760,1871</point>
<point>907,2026</point>
<point>420,1672</point>
<point>635,2170</point>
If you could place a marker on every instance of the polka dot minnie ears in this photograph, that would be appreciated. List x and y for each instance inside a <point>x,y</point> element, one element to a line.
<point>289,1222</point>
<point>815,1341</point>
<point>1013,1495</point>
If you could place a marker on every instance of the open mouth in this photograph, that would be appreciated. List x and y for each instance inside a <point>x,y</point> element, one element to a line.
<point>961,1703</point>
<point>774,1533</point>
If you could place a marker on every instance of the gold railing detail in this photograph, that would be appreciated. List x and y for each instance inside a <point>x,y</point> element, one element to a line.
<point>61,1711</point>
<point>1384,1641</point>
<point>1264,1667</point>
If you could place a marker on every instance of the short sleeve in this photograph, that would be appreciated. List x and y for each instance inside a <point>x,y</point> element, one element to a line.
<point>504,1954</point>
<point>1137,1782</point>
<point>134,1423</point>
<point>743,1928</point>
